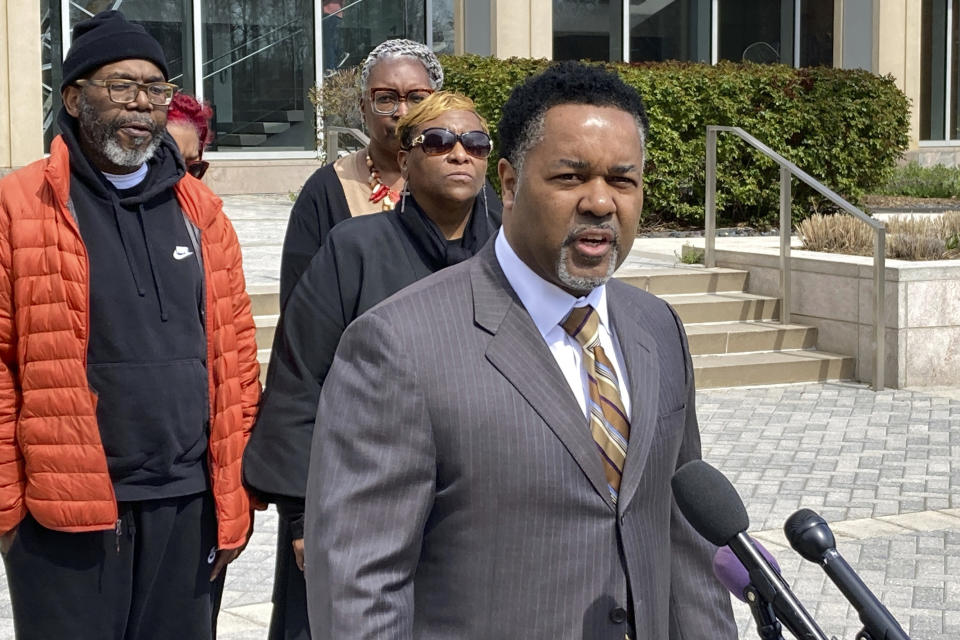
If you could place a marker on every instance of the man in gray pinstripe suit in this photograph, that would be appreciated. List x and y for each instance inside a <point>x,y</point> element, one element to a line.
<point>458,488</point>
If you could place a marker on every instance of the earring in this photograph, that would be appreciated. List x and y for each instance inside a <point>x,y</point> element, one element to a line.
<point>486,210</point>
<point>403,197</point>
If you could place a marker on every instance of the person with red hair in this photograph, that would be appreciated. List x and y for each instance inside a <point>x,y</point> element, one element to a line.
<point>188,122</point>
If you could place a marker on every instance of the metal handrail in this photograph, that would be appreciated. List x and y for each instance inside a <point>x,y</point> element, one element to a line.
<point>332,135</point>
<point>787,170</point>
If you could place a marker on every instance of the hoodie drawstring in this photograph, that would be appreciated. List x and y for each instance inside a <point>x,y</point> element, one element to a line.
<point>124,242</point>
<point>125,245</point>
<point>153,267</point>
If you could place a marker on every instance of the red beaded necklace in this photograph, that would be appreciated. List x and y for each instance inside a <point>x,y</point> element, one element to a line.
<point>380,192</point>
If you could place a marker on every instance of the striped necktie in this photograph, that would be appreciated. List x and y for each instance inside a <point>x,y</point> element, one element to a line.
<point>609,424</point>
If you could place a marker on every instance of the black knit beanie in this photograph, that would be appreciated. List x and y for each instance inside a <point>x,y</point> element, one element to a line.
<point>105,38</point>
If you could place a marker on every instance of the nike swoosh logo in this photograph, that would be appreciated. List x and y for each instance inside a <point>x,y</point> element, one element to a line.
<point>181,252</point>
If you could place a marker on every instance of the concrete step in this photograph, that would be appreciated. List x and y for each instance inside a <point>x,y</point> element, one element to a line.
<point>770,367</point>
<point>738,337</point>
<point>266,327</point>
<point>730,306</point>
<point>295,115</point>
<point>263,357</point>
<point>264,299</point>
<point>679,281</point>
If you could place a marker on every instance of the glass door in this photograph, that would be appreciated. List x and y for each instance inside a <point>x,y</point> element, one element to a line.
<point>751,31</point>
<point>669,30</point>
<point>588,29</point>
<point>258,64</point>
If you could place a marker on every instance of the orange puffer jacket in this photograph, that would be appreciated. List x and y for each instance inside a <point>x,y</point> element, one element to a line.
<point>52,461</point>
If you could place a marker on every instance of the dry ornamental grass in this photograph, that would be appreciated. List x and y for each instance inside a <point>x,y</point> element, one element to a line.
<point>908,238</point>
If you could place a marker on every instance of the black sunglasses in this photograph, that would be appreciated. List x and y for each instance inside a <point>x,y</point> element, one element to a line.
<point>437,141</point>
<point>198,168</point>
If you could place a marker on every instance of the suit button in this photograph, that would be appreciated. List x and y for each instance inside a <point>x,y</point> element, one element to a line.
<point>618,615</point>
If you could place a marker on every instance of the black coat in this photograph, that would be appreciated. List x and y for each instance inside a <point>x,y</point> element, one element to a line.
<point>369,258</point>
<point>320,206</point>
<point>363,261</point>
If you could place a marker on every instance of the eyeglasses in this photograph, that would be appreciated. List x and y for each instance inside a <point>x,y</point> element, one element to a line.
<point>437,141</point>
<point>386,101</point>
<point>198,168</point>
<point>126,91</point>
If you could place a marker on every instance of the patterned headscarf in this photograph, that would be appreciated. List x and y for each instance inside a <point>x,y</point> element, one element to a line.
<point>401,48</point>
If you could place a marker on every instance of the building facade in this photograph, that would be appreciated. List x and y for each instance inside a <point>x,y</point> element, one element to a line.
<point>255,60</point>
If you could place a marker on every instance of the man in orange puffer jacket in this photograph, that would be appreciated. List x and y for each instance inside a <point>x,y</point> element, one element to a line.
<point>128,371</point>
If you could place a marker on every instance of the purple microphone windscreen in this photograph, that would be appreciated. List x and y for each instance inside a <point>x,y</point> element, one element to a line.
<point>732,574</point>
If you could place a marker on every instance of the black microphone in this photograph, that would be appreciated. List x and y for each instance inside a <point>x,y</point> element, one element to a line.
<point>810,536</point>
<point>712,506</point>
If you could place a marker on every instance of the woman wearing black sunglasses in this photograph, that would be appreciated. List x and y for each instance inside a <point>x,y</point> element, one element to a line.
<point>188,122</point>
<point>442,218</point>
<point>395,77</point>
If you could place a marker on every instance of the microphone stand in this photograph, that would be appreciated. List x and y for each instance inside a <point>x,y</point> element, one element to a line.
<point>768,627</point>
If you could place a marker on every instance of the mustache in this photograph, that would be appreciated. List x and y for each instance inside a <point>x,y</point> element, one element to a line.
<point>581,228</point>
<point>141,119</point>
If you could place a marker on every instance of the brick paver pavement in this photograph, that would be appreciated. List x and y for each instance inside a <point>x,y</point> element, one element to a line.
<point>882,468</point>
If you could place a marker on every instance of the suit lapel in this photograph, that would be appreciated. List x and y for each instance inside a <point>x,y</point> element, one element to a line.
<point>519,353</point>
<point>643,377</point>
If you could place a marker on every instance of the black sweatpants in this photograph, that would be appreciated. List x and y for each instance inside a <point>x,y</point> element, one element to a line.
<point>148,579</point>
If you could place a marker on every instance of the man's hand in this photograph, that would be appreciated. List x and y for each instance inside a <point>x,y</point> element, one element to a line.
<point>226,556</point>
<point>6,541</point>
<point>298,552</point>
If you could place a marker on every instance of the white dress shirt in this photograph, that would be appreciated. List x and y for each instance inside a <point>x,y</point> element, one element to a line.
<point>549,305</point>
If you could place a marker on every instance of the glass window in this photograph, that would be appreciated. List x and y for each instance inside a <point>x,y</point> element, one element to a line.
<point>939,40</point>
<point>816,33</point>
<point>166,20</point>
<point>669,30</point>
<point>258,64</point>
<point>587,30</point>
<point>932,60</point>
<point>953,130</point>
<point>51,53</point>
<point>751,31</point>
<point>444,39</point>
<point>367,23</point>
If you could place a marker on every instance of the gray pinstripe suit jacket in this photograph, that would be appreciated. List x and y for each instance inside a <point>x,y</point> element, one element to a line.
<point>455,490</point>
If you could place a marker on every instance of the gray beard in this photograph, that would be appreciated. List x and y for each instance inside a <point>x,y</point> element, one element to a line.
<point>103,136</point>
<point>582,284</point>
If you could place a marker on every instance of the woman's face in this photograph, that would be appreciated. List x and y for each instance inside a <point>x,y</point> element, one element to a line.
<point>402,75</point>
<point>187,139</point>
<point>453,176</point>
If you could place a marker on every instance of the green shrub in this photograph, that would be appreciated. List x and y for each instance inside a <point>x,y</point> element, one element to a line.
<point>923,182</point>
<point>844,127</point>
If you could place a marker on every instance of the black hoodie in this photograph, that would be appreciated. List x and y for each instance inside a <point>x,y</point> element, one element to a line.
<point>146,355</point>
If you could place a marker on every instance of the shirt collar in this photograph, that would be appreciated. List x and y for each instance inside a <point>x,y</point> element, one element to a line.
<point>127,180</point>
<point>546,303</point>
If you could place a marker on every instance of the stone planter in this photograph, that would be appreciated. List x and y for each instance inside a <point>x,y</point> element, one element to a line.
<point>835,294</point>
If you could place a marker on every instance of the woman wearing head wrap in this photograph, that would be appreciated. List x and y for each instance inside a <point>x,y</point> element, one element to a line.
<point>442,219</point>
<point>395,76</point>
